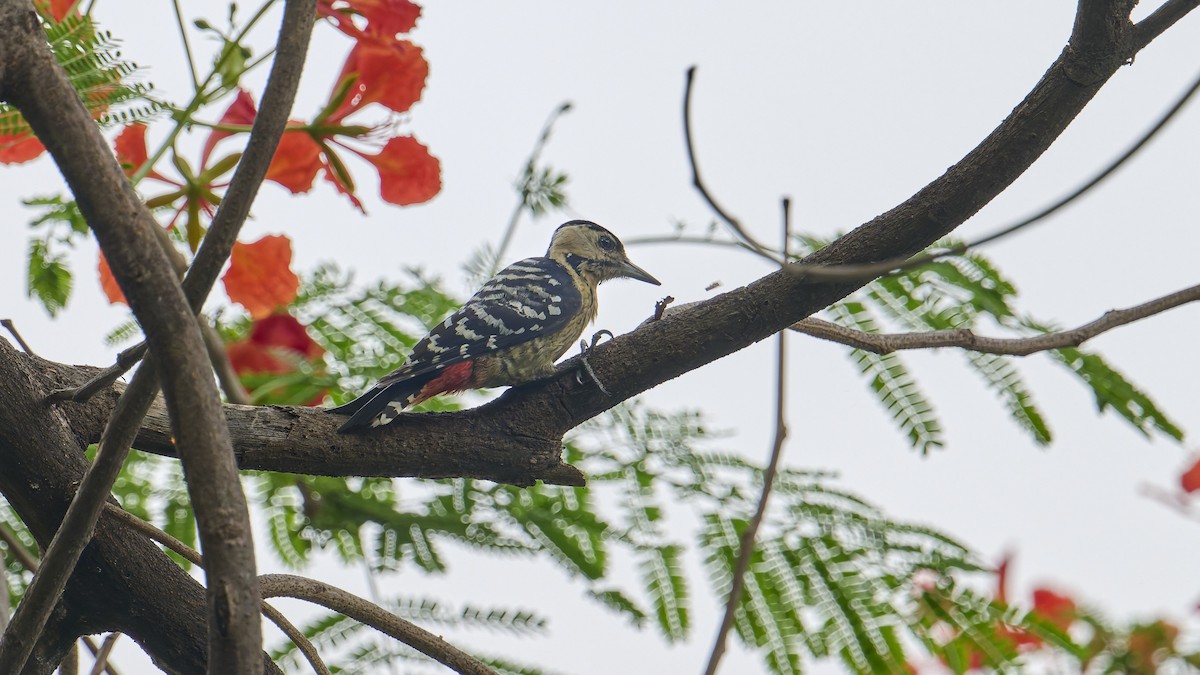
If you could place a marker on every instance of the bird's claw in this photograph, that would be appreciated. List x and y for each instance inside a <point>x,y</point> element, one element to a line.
<point>585,348</point>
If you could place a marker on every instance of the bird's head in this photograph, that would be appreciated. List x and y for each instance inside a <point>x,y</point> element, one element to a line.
<point>594,252</point>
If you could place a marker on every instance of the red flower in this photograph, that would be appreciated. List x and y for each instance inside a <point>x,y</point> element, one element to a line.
<point>384,18</point>
<point>55,9</point>
<point>259,277</point>
<point>19,148</point>
<point>108,283</point>
<point>239,113</point>
<point>391,74</point>
<point>274,344</point>
<point>130,146</point>
<point>1190,480</point>
<point>1057,609</point>
<point>408,174</point>
<point>296,162</point>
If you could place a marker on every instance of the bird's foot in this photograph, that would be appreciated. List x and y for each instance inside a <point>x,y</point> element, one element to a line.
<point>585,349</point>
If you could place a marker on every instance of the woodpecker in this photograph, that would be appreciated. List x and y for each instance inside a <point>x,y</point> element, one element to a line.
<point>510,332</point>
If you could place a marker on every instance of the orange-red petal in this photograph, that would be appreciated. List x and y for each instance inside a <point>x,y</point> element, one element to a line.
<point>259,277</point>
<point>56,9</point>
<point>1190,480</point>
<point>130,146</point>
<point>284,331</point>
<point>408,174</point>
<point>296,162</point>
<point>390,73</point>
<point>19,148</point>
<point>385,18</point>
<point>108,283</point>
<point>241,112</point>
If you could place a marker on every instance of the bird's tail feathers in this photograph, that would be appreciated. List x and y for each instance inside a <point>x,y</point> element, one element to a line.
<point>365,409</point>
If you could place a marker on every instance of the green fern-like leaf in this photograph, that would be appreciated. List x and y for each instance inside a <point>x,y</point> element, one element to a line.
<point>891,382</point>
<point>1113,391</point>
<point>616,600</point>
<point>662,575</point>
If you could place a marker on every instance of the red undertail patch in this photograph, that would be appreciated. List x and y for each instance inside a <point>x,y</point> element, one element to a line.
<point>451,380</point>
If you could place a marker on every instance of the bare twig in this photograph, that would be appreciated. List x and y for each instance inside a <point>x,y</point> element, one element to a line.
<point>106,649</point>
<point>746,545</point>
<point>219,358</point>
<point>102,654</point>
<point>5,595</point>
<point>8,324</point>
<point>183,550</point>
<point>886,343</point>
<point>297,637</point>
<point>1161,19</point>
<point>734,224</point>
<point>104,379</point>
<point>332,597</point>
<point>1176,501</point>
<point>17,549</point>
<point>526,174</point>
<point>872,270</point>
<point>660,307</point>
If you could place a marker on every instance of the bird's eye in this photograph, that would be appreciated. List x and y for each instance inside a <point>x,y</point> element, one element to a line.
<point>606,243</point>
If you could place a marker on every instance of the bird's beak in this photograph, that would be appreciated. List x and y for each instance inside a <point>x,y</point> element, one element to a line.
<point>632,271</point>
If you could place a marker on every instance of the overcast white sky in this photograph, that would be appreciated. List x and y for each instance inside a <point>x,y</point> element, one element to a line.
<point>848,108</point>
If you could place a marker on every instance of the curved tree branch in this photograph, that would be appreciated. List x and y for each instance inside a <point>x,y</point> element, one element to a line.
<point>886,343</point>
<point>332,597</point>
<point>193,556</point>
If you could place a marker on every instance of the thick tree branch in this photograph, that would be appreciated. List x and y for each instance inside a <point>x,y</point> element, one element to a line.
<point>483,443</point>
<point>213,484</point>
<point>122,582</point>
<point>886,343</point>
<point>193,556</point>
<point>77,525</point>
<point>332,597</point>
<point>36,85</point>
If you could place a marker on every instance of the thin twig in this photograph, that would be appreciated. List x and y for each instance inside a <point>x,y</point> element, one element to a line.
<point>734,224</point>
<point>297,637</point>
<point>104,379</point>
<point>95,651</point>
<point>106,649</point>
<point>526,175</point>
<point>187,46</point>
<point>231,384</point>
<point>193,556</point>
<point>872,270</point>
<point>8,324</point>
<point>746,545</point>
<point>18,549</point>
<point>348,604</point>
<point>183,550</point>
<point>1176,501</point>
<point>5,593</point>
<point>1161,19</point>
<point>886,343</point>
